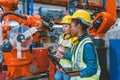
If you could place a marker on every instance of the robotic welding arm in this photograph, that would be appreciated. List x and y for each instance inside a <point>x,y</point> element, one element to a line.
<point>9,5</point>
<point>104,20</point>
<point>102,23</point>
<point>21,19</point>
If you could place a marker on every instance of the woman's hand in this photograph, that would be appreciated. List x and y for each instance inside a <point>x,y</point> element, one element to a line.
<point>60,51</point>
<point>59,55</point>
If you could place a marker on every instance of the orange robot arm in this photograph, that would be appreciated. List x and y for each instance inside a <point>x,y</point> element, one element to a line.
<point>31,21</point>
<point>9,5</point>
<point>104,20</point>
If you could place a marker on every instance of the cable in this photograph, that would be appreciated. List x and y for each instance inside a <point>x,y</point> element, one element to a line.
<point>1,8</point>
<point>12,13</point>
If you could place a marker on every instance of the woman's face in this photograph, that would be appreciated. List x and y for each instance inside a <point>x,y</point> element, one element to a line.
<point>74,29</point>
<point>66,28</point>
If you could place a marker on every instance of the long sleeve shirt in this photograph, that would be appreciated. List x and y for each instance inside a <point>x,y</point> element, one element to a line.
<point>89,57</point>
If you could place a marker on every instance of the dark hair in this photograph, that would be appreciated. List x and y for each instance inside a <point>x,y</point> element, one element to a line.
<point>79,21</point>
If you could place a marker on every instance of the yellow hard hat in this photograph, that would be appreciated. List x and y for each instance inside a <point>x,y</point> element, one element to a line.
<point>66,19</point>
<point>85,15</point>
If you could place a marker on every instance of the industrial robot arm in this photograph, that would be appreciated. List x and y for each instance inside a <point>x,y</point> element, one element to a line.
<point>31,21</point>
<point>9,5</point>
<point>104,20</point>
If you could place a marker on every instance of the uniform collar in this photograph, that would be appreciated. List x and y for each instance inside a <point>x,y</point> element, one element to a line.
<point>83,36</point>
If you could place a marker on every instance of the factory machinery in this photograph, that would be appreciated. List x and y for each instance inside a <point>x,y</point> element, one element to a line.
<point>21,49</point>
<point>22,53</point>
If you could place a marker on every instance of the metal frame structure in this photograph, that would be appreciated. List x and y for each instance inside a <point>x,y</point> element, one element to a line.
<point>30,8</point>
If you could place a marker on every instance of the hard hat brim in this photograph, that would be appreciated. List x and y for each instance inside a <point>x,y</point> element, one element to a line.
<point>83,22</point>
